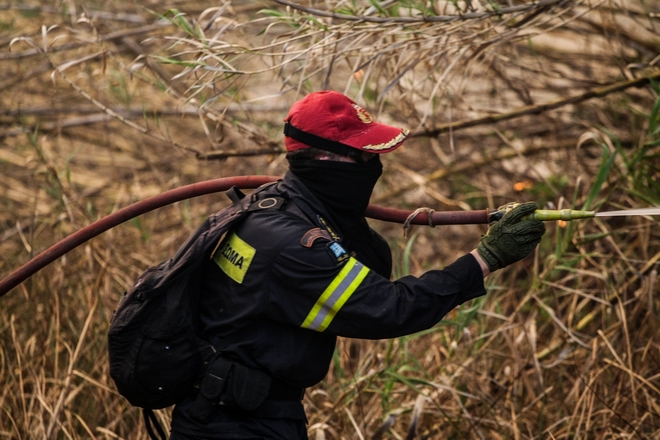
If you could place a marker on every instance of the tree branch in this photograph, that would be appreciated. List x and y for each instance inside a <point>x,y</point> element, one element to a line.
<point>540,108</point>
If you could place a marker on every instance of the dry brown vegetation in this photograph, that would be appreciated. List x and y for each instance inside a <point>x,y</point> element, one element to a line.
<point>103,103</point>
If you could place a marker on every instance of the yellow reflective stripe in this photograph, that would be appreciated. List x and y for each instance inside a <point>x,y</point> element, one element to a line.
<point>344,297</point>
<point>328,292</point>
<point>335,295</point>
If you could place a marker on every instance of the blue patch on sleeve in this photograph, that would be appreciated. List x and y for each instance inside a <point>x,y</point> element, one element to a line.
<point>337,249</point>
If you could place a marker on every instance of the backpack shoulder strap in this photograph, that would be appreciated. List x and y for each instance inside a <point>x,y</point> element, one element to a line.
<point>190,254</point>
<point>317,219</point>
<point>235,195</point>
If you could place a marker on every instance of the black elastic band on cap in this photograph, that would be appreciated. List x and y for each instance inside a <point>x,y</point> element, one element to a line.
<point>317,142</point>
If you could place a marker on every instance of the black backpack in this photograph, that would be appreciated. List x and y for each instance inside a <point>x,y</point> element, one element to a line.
<point>156,355</point>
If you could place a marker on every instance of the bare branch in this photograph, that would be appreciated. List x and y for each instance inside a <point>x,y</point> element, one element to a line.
<point>540,108</point>
<point>221,155</point>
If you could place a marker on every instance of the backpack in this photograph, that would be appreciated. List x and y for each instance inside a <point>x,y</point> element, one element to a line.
<point>156,356</point>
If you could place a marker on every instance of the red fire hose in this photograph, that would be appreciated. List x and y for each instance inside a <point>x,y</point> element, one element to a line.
<point>420,217</point>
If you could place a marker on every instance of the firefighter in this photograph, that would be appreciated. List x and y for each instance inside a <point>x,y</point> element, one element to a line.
<point>286,282</point>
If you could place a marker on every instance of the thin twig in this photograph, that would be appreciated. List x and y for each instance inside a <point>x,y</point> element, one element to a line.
<point>422,19</point>
<point>64,47</point>
<point>116,115</point>
<point>69,373</point>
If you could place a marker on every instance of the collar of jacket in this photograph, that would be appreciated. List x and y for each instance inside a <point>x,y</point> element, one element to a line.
<point>296,189</point>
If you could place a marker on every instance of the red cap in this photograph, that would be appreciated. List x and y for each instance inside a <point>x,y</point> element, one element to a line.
<point>335,117</point>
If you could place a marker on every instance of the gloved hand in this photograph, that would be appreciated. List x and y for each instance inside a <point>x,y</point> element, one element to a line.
<point>511,239</point>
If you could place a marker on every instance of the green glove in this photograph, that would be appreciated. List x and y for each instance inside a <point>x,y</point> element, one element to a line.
<point>511,239</point>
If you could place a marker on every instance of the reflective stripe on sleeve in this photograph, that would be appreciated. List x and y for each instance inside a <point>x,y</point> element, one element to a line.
<point>335,295</point>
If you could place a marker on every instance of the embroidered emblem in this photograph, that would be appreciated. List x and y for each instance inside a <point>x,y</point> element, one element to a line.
<point>327,227</point>
<point>363,114</point>
<point>234,258</point>
<point>312,235</point>
<point>387,145</point>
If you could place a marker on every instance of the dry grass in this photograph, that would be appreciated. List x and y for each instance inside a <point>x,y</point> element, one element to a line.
<point>535,103</point>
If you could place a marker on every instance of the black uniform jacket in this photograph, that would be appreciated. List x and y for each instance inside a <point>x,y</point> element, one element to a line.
<point>290,288</point>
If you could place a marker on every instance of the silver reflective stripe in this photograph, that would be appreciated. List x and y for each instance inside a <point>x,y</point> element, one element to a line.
<point>335,295</point>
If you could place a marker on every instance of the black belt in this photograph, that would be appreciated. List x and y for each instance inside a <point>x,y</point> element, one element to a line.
<point>229,384</point>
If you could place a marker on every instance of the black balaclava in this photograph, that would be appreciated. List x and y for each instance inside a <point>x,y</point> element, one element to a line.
<point>343,187</point>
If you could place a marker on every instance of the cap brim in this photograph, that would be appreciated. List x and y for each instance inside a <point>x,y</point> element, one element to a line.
<point>379,139</point>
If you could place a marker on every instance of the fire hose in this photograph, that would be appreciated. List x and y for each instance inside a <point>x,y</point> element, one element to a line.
<point>422,216</point>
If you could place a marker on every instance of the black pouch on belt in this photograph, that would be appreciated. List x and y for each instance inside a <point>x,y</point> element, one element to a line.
<point>248,388</point>
<point>229,385</point>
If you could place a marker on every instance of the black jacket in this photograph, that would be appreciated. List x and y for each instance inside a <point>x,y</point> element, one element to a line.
<point>290,288</point>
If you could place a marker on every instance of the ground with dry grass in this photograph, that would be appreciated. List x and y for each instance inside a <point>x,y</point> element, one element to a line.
<point>104,103</point>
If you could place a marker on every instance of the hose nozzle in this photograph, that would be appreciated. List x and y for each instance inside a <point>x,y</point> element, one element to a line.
<point>562,214</point>
<point>547,215</point>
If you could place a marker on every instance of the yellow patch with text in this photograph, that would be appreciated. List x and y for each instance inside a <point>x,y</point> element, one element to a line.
<point>234,257</point>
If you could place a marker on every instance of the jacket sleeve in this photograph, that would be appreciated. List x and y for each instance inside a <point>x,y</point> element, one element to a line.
<point>309,288</point>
